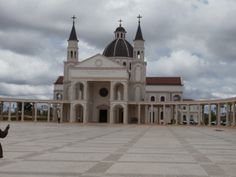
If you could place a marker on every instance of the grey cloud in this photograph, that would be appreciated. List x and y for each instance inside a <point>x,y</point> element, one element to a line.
<point>38,31</point>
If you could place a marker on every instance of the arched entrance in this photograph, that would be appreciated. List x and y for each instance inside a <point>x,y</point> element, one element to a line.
<point>79,113</point>
<point>118,114</point>
<point>103,113</point>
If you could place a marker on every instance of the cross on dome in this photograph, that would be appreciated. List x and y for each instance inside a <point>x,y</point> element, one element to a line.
<point>120,21</point>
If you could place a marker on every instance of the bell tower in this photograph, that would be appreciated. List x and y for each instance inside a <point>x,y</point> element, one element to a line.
<point>72,48</point>
<point>139,42</point>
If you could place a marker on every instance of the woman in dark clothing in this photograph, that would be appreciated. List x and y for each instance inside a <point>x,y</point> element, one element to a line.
<point>3,134</point>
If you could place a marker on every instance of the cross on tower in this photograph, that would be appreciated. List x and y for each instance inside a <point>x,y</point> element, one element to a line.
<point>120,21</point>
<point>139,17</point>
<point>73,17</point>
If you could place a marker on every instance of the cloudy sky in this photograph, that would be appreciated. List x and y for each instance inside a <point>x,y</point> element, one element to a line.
<point>194,39</point>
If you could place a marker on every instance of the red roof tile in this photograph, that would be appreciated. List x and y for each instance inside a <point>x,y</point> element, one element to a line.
<point>59,80</point>
<point>163,81</point>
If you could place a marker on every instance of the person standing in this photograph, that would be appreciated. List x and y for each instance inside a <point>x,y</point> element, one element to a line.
<point>3,134</point>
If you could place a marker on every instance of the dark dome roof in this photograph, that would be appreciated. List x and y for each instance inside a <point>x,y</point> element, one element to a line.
<point>119,48</point>
<point>120,29</point>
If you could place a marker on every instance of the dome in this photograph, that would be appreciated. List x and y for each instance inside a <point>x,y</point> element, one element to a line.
<point>119,48</point>
<point>120,29</point>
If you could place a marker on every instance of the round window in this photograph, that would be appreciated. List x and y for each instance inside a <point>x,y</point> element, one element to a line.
<point>103,92</point>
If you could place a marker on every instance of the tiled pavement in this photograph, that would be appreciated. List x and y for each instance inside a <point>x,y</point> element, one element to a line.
<point>50,149</point>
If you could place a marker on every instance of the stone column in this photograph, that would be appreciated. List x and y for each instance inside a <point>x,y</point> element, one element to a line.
<point>209,115</point>
<point>48,117</point>
<point>164,114</point>
<point>125,91</point>
<point>227,114</point>
<point>125,115</point>
<point>233,114</point>
<point>22,111</point>
<point>146,114</point>
<point>199,114</point>
<point>111,114</point>
<point>188,116</point>
<point>151,114</point>
<point>35,112</point>
<point>9,112</point>
<point>218,114</point>
<point>72,113</point>
<point>85,118</point>
<point>176,114</point>
<point>112,91</point>
<point>61,112</point>
<point>85,90</point>
<point>139,112</point>
<point>1,104</point>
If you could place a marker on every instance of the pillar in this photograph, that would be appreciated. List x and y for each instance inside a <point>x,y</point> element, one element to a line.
<point>61,112</point>
<point>146,114</point>
<point>164,114</point>
<point>35,112</point>
<point>139,112</point>
<point>111,115</point>
<point>85,90</point>
<point>176,114</point>
<point>151,114</point>
<point>1,104</point>
<point>48,116</point>
<point>199,114</point>
<point>72,112</point>
<point>125,91</point>
<point>218,114</point>
<point>112,91</point>
<point>22,111</point>
<point>85,118</point>
<point>227,115</point>
<point>9,112</point>
<point>188,116</point>
<point>125,112</point>
<point>209,115</point>
<point>233,124</point>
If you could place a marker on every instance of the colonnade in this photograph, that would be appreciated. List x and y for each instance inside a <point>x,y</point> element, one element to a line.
<point>206,112</point>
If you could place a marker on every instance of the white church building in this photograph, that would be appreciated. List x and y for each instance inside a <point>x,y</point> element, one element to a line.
<point>108,87</point>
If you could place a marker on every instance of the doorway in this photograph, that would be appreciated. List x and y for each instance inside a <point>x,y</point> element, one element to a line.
<point>103,116</point>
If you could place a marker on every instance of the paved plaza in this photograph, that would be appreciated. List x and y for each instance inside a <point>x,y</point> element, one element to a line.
<point>102,150</point>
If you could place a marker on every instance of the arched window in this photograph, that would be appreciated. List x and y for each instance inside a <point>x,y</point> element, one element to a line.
<point>138,54</point>
<point>75,54</point>
<point>58,96</point>
<point>162,98</point>
<point>176,98</point>
<point>121,35</point>
<point>71,54</point>
<point>152,98</point>
<point>129,66</point>
<point>124,63</point>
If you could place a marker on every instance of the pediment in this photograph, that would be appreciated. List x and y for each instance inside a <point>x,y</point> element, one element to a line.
<point>98,61</point>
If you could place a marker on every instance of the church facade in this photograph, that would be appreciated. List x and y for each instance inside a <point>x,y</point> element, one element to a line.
<point>110,87</point>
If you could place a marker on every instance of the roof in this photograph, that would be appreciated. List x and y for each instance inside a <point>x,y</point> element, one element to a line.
<point>163,81</point>
<point>73,36</point>
<point>139,35</point>
<point>59,80</point>
<point>119,48</point>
